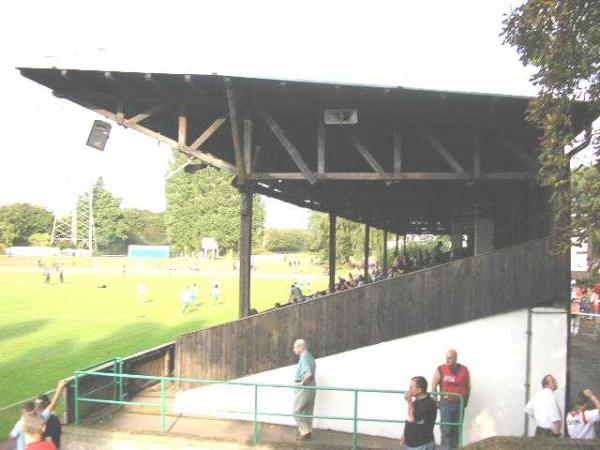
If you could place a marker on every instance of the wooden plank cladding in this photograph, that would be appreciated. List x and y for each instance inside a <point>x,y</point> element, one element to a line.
<point>504,280</point>
<point>157,361</point>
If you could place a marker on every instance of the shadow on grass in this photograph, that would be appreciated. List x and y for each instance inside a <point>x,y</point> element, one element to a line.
<point>22,328</point>
<point>38,370</point>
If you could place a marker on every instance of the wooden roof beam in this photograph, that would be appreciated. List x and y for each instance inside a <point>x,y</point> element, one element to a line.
<point>235,127</point>
<point>394,177</point>
<point>364,152</point>
<point>150,112</point>
<point>444,153</point>
<point>287,145</point>
<point>518,151</point>
<point>149,78</point>
<point>202,156</point>
<point>207,134</point>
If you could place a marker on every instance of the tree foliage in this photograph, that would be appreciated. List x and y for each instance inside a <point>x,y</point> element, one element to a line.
<point>561,38</point>
<point>109,220</point>
<point>19,221</point>
<point>205,204</point>
<point>349,237</point>
<point>145,227</point>
<point>286,240</point>
<point>40,239</point>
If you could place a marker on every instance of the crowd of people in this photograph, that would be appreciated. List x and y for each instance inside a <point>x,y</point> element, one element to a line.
<point>38,428</point>
<point>450,378</point>
<point>451,382</point>
<point>585,302</point>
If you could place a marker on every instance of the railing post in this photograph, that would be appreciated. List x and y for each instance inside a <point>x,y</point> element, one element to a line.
<point>355,422</point>
<point>76,400</point>
<point>115,381</point>
<point>121,380</point>
<point>163,417</point>
<point>255,436</point>
<point>460,422</point>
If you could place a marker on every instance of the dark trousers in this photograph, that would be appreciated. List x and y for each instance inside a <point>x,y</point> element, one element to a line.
<point>449,412</point>
<point>544,432</point>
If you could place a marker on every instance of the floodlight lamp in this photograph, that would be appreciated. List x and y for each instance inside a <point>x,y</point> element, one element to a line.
<point>98,135</point>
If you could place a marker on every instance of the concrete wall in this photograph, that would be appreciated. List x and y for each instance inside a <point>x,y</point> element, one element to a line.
<point>494,349</point>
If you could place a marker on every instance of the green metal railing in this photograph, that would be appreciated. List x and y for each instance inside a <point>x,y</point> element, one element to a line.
<point>118,399</point>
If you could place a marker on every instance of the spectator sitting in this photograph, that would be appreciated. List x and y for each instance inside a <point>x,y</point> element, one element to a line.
<point>296,294</point>
<point>33,427</point>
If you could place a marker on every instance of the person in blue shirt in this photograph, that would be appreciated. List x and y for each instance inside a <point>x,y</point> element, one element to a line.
<point>304,403</point>
<point>17,431</point>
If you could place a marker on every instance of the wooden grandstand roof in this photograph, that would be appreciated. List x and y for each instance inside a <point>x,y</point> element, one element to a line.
<point>415,160</point>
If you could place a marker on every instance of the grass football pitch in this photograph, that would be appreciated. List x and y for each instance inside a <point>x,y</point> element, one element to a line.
<point>48,331</point>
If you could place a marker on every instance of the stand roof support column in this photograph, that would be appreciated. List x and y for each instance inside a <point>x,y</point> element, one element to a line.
<point>367,250</point>
<point>385,250</point>
<point>245,251</point>
<point>332,250</point>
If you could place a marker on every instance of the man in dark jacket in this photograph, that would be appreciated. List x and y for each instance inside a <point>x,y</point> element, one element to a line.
<point>422,412</point>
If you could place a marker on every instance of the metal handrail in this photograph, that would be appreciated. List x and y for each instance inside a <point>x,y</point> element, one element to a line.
<point>118,378</point>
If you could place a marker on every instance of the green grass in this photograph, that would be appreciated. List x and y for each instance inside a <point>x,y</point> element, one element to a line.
<point>48,331</point>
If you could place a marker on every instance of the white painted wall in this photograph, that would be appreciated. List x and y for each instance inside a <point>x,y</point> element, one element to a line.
<point>494,350</point>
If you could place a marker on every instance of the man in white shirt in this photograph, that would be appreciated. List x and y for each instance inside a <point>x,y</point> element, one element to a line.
<point>580,421</point>
<point>543,407</point>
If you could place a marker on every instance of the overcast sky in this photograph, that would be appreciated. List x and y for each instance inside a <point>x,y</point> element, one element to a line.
<point>450,45</point>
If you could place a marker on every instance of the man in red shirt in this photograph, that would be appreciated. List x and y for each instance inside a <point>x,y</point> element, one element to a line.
<point>33,427</point>
<point>452,378</point>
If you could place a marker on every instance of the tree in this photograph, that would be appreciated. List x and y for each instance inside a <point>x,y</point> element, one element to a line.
<point>206,204</point>
<point>109,220</point>
<point>561,38</point>
<point>145,227</point>
<point>20,220</point>
<point>286,240</point>
<point>40,239</point>
<point>349,237</point>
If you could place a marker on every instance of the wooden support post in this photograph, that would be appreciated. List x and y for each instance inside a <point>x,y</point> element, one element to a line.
<point>397,149</point>
<point>477,158</point>
<point>332,250</point>
<point>247,144</point>
<point>182,135</point>
<point>385,261</point>
<point>245,251</point>
<point>396,252</point>
<point>367,250</point>
<point>321,146</point>
<point>232,105</point>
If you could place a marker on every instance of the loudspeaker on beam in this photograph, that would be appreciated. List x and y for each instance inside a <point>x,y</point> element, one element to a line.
<point>340,117</point>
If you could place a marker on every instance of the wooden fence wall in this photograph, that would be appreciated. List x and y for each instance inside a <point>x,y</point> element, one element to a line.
<point>158,361</point>
<point>505,280</point>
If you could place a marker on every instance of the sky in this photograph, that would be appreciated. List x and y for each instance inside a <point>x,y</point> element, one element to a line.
<point>43,158</point>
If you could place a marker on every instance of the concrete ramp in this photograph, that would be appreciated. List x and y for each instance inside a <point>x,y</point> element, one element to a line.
<point>139,431</point>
